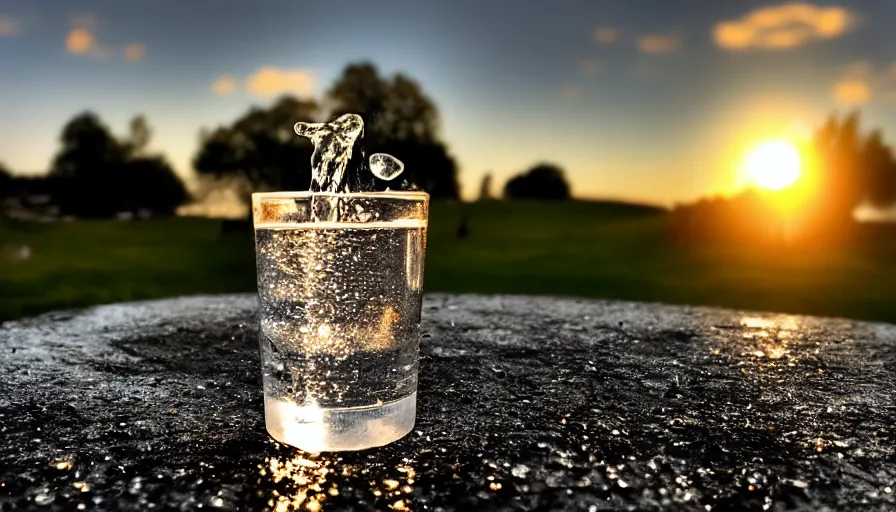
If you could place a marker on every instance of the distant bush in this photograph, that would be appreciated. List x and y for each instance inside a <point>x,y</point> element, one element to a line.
<point>544,181</point>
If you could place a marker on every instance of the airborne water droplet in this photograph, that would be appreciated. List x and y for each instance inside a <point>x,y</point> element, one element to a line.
<point>385,167</point>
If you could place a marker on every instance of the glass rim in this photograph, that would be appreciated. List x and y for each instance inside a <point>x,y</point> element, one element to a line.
<point>304,194</point>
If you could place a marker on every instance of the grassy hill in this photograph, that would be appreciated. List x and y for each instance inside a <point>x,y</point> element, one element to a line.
<point>589,249</point>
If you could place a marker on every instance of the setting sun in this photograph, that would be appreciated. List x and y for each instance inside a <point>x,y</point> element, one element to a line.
<point>773,165</point>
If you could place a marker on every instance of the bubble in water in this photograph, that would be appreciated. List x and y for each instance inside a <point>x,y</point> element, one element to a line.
<point>385,167</point>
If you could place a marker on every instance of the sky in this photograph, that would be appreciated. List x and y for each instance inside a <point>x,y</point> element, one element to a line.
<point>643,100</point>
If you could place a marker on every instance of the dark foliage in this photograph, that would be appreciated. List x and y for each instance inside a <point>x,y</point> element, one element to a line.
<point>261,147</point>
<point>5,182</point>
<point>399,119</point>
<point>96,175</point>
<point>544,181</point>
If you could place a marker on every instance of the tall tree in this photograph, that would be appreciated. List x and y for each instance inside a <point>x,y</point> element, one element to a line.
<point>86,169</point>
<point>485,188</point>
<point>140,134</point>
<point>881,171</point>
<point>399,119</point>
<point>153,185</point>
<point>544,181</point>
<point>97,175</point>
<point>5,181</point>
<point>853,169</point>
<point>261,147</point>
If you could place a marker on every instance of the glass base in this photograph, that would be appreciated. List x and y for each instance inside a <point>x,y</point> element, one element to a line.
<point>315,429</point>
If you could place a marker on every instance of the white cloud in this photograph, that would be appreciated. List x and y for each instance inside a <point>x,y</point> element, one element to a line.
<point>784,26</point>
<point>270,81</point>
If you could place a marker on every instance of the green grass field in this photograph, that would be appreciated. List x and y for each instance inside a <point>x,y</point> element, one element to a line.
<point>577,249</point>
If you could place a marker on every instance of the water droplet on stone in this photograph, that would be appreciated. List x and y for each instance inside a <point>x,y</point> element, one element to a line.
<point>520,471</point>
<point>44,497</point>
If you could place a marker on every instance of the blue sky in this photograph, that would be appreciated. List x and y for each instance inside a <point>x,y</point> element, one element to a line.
<point>650,100</point>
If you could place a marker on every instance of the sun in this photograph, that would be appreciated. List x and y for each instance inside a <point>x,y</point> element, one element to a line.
<point>773,165</point>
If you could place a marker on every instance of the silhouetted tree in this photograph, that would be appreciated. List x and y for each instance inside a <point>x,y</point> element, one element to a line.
<point>544,181</point>
<point>881,168</point>
<point>393,109</point>
<point>401,120</point>
<point>261,147</point>
<point>427,166</point>
<point>485,188</point>
<point>5,181</point>
<point>852,169</point>
<point>153,185</point>
<point>87,169</point>
<point>96,175</point>
<point>140,134</point>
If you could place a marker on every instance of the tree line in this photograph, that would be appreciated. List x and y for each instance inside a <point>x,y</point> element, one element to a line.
<point>98,174</point>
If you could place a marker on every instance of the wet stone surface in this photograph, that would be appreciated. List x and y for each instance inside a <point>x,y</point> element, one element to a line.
<point>524,404</point>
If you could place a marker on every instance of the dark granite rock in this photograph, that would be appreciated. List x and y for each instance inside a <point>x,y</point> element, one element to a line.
<point>524,404</point>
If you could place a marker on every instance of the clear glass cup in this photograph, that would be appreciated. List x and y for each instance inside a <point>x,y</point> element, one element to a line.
<point>340,282</point>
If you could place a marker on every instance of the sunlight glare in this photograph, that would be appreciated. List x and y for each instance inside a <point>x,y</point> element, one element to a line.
<point>773,165</point>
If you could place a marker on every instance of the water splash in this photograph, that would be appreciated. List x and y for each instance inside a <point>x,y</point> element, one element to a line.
<point>333,145</point>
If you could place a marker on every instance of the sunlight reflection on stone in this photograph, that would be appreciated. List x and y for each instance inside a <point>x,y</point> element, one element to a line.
<point>310,482</point>
<point>784,323</point>
<point>768,340</point>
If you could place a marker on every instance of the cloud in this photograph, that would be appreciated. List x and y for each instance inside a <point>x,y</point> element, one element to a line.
<point>80,41</point>
<point>134,52</point>
<point>658,43</point>
<point>850,91</point>
<point>570,92</point>
<point>859,82</point>
<point>783,26</point>
<point>269,81</point>
<point>9,26</point>
<point>589,68</point>
<point>606,35</point>
<point>224,85</point>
